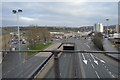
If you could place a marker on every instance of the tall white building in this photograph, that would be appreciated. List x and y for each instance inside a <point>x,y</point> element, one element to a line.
<point>118,28</point>
<point>98,27</point>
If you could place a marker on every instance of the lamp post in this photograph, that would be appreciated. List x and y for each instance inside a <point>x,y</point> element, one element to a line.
<point>107,26</point>
<point>16,12</point>
<point>18,30</point>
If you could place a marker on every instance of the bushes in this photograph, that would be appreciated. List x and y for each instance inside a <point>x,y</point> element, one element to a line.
<point>97,40</point>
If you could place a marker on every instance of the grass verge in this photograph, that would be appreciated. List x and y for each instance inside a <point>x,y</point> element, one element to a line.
<point>38,47</point>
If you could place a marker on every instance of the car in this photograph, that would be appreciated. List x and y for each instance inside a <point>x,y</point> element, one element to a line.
<point>14,42</point>
<point>24,42</point>
<point>13,49</point>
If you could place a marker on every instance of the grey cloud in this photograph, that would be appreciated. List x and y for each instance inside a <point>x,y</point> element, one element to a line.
<point>61,13</point>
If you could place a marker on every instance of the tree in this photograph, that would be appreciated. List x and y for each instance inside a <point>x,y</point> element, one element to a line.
<point>97,40</point>
<point>37,34</point>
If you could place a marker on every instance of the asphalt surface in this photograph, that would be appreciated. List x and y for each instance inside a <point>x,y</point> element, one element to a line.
<point>85,65</point>
<point>65,67</point>
<point>108,47</point>
<point>14,67</point>
<point>12,61</point>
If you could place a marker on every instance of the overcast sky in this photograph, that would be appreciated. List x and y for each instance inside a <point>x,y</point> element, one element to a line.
<point>71,14</point>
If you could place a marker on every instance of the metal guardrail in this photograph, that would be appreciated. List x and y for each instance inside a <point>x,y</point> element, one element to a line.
<point>65,51</point>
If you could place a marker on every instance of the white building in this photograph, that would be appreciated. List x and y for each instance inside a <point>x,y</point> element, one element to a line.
<point>118,28</point>
<point>98,27</point>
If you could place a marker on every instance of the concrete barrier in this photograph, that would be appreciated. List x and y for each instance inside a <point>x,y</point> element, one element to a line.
<point>45,69</point>
<point>42,73</point>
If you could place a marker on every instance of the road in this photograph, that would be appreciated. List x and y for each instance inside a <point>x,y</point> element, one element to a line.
<point>24,69</point>
<point>12,60</point>
<point>85,65</point>
<point>108,47</point>
<point>66,62</point>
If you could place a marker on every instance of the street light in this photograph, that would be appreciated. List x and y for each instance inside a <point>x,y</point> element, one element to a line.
<point>16,12</point>
<point>107,26</point>
<point>19,47</point>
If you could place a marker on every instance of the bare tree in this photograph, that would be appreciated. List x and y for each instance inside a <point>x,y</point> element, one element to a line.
<point>35,35</point>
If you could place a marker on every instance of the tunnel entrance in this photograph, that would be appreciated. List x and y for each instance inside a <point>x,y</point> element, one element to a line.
<point>68,47</point>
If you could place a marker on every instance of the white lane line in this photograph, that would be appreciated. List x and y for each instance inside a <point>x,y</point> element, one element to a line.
<point>82,68</point>
<point>113,76</point>
<point>89,60</point>
<point>84,60</point>
<point>107,70</point>
<point>99,59</point>
<point>97,74</point>
<point>95,61</point>
<point>88,46</point>
<point>60,74</point>
<point>8,71</point>
<point>92,66</point>
<point>105,67</point>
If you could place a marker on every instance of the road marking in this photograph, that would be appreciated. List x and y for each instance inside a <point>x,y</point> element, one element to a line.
<point>84,60</point>
<point>105,66</point>
<point>92,66</point>
<point>88,46</point>
<point>107,70</point>
<point>8,71</point>
<point>82,68</point>
<point>89,60</point>
<point>60,74</point>
<point>97,74</point>
<point>95,61</point>
<point>113,76</point>
<point>100,59</point>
